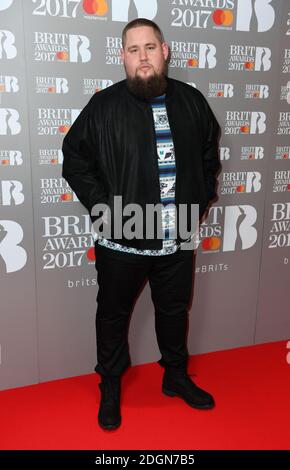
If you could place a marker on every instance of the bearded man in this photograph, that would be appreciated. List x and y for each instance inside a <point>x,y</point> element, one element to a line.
<point>153,141</point>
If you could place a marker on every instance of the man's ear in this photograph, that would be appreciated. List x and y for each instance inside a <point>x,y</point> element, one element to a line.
<point>165,50</point>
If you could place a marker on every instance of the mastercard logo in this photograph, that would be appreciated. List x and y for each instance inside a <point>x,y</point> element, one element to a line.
<point>66,197</point>
<point>5,162</point>
<point>62,55</point>
<point>285,155</point>
<point>211,243</point>
<point>245,129</point>
<point>95,7</point>
<point>63,129</point>
<point>249,65</point>
<point>222,17</point>
<point>51,89</point>
<point>192,62</point>
<point>241,188</point>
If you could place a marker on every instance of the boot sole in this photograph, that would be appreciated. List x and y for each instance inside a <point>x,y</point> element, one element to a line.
<point>109,427</point>
<point>171,394</point>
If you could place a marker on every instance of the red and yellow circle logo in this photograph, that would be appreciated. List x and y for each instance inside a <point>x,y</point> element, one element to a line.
<point>211,243</point>
<point>245,129</point>
<point>222,17</point>
<point>63,129</point>
<point>95,7</point>
<point>66,197</point>
<point>249,65</point>
<point>192,62</point>
<point>62,55</point>
<point>241,188</point>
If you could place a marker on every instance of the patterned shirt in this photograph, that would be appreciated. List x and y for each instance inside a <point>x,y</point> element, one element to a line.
<point>167,173</point>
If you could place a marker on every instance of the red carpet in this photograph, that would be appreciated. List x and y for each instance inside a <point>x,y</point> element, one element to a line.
<point>251,387</point>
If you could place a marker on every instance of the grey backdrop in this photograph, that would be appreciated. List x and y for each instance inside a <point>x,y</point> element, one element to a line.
<point>54,54</point>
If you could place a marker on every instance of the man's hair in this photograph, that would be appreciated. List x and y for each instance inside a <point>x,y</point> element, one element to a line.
<point>142,22</point>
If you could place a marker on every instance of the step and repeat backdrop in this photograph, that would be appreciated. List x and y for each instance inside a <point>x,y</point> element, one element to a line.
<point>54,55</point>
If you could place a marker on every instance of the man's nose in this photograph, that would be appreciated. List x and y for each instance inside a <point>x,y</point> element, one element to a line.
<point>143,54</point>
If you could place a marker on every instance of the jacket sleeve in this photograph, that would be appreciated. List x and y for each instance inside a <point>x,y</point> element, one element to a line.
<point>211,162</point>
<point>80,160</point>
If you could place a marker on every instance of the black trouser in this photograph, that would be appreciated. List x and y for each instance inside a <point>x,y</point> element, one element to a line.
<point>121,277</point>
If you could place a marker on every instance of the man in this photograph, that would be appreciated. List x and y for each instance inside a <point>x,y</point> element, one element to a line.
<point>151,140</point>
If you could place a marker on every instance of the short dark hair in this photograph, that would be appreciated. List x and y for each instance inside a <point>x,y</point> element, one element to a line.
<point>142,22</point>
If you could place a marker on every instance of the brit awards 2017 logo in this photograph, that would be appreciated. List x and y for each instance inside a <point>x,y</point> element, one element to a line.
<point>256,91</point>
<point>192,55</point>
<point>54,121</point>
<point>122,10</point>
<point>249,58</point>
<point>234,182</point>
<point>9,121</point>
<point>56,190</point>
<point>284,123</point>
<point>11,193</point>
<point>50,157</point>
<point>220,90</point>
<point>239,15</point>
<point>229,228</point>
<point>282,152</point>
<point>68,242</point>
<point>252,153</point>
<point>245,122</point>
<point>13,257</point>
<point>92,9</point>
<point>51,85</point>
<point>202,14</point>
<point>113,51</point>
<point>61,47</point>
<point>281,181</point>
<point>7,47</point>
<point>280,230</point>
<point>93,85</point>
<point>286,61</point>
<point>10,158</point>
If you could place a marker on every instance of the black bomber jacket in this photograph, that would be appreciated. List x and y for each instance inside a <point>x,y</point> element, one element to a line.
<point>111,150</point>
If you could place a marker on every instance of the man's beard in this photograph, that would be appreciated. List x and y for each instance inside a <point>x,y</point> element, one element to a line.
<point>154,85</point>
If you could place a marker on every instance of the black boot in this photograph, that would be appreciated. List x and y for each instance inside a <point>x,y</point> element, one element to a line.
<point>109,416</point>
<point>176,383</point>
